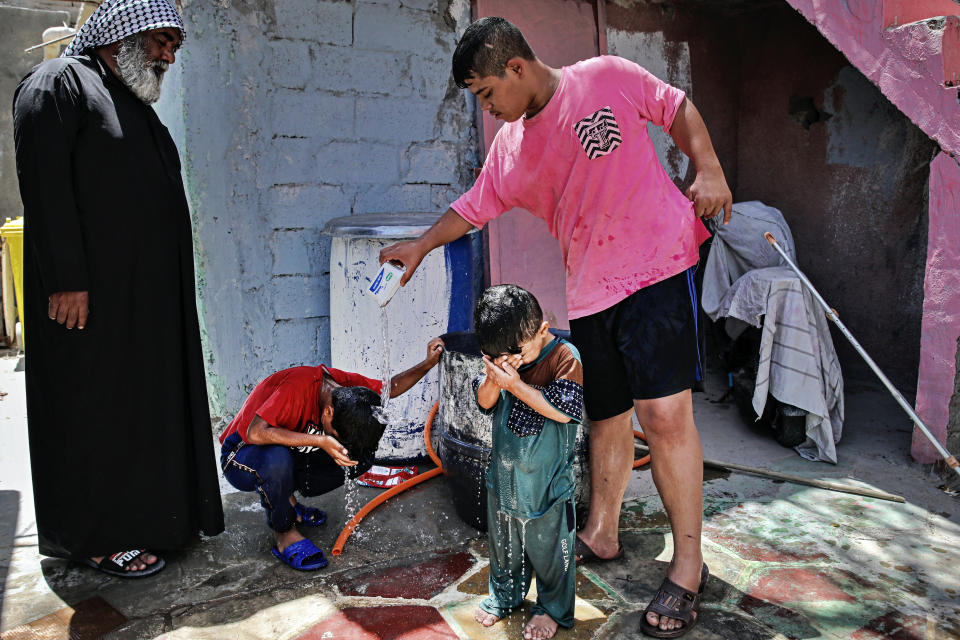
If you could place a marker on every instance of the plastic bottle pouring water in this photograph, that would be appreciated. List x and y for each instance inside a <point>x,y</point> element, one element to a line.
<point>386,282</point>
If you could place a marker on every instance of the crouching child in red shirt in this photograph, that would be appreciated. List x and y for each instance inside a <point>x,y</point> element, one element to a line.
<point>297,431</point>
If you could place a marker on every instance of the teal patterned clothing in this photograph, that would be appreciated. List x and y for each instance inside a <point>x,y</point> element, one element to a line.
<point>530,486</point>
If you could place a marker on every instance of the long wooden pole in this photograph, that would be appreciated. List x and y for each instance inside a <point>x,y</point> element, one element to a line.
<point>820,484</point>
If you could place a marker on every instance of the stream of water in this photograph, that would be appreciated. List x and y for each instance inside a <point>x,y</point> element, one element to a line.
<point>384,413</point>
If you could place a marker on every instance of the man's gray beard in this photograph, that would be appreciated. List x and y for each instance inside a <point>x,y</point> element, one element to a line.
<point>140,75</point>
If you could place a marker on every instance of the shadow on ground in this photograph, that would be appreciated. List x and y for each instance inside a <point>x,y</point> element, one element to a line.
<point>9,510</point>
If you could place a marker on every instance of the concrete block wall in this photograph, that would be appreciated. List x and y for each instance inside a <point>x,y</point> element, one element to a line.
<point>290,113</point>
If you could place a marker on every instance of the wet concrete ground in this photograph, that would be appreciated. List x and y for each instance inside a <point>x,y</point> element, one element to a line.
<point>787,561</point>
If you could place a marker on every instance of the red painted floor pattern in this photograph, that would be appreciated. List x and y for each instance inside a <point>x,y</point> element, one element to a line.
<point>893,626</point>
<point>382,623</point>
<point>799,585</point>
<point>413,581</point>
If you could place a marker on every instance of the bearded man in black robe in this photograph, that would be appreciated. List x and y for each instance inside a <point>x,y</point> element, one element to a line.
<point>120,435</point>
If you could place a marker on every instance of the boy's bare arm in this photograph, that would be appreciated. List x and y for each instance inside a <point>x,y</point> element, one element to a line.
<point>402,382</point>
<point>262,432</point>
<point>709,192</point>
<point>410,253</point>
<point>505,376</point>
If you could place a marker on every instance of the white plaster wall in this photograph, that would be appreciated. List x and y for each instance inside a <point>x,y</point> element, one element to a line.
<point>20,28</point>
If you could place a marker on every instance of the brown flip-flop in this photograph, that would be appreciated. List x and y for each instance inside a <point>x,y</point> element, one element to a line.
<point>673,601</point>
<point>583,554</point>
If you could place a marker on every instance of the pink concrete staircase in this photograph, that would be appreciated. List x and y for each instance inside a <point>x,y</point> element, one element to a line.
<point>908,48</point>
<point>911,50</point>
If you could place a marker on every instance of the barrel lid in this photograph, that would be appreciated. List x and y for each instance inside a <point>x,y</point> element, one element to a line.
<point>380,225</point>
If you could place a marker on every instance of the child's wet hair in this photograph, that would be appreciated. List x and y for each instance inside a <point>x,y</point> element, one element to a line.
<point>356,426</point>
<point>506,316</point>
<point>485,48</point>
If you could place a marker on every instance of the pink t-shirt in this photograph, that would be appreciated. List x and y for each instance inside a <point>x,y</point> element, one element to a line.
<point>586,165</point>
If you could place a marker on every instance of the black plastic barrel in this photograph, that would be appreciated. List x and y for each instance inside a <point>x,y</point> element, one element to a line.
<point>464,434</point>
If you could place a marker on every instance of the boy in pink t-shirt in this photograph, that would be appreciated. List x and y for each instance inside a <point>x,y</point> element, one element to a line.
<point>574,151</point>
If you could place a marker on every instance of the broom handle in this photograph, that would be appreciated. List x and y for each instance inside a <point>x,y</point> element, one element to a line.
<point>832,315</point>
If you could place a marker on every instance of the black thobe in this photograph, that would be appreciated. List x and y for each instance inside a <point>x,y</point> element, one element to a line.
<point>120,435</point>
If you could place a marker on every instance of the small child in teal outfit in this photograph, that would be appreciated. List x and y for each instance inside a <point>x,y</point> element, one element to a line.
<point>532,384</point>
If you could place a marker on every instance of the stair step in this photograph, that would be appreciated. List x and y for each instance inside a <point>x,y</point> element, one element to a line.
<point>900,12</point>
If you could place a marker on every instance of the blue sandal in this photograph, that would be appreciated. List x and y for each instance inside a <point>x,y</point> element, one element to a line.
<point>310,516</point>
<point>303,556</point>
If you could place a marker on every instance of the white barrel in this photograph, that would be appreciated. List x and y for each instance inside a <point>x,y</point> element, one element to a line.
<point>418,312</point>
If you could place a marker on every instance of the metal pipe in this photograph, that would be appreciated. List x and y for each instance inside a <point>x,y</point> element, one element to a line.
<point>832,315</point>
<point>43,44</point>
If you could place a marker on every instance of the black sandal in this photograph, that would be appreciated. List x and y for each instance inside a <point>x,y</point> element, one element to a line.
<point>673,601</point>
<point>583,554</point>
<point>116,565</point>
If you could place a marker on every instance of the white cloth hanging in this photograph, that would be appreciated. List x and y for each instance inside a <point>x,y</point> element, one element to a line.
<point>745,280</point>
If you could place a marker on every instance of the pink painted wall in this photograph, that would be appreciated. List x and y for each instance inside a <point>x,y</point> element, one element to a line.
<point>905,62</point>
<point>950,46</point>
<point>941,307</point>
<point>915,66</point>
<point>901,12</point>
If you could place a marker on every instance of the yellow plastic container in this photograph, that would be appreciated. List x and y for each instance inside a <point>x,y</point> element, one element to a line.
<point>12,234</point>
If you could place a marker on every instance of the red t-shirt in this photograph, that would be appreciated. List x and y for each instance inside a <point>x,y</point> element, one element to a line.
<point>290,399</point>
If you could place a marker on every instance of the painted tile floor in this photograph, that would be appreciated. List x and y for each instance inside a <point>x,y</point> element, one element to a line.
<point>786,561</point>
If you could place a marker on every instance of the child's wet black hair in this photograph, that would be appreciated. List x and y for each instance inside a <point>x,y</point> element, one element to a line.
<point>357,428</point>
<point>506,315</point>
<point>485,48</point>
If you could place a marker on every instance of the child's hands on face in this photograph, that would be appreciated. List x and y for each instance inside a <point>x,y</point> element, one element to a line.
<point>503,370</point>
<point>515,360</point>
<point>434,348</point>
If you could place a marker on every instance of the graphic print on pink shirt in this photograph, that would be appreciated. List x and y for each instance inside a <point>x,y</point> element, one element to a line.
<point>599,134</point>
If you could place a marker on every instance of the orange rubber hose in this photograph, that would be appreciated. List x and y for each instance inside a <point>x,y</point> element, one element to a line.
<point>426,434</point>
<point>376,502</point>
<point>389,493</point>
<point>639,462</point>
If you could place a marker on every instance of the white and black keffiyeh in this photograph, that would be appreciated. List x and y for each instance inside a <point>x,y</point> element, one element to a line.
<point>114,20</point>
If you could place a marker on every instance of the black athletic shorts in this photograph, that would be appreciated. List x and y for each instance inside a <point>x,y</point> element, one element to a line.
<point>643,347</point>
